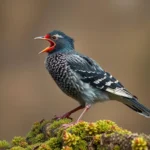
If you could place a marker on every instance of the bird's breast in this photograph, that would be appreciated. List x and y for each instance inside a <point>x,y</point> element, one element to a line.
<point>61,73</point>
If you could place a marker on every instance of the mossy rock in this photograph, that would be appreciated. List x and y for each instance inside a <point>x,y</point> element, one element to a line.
<point>100,135</point>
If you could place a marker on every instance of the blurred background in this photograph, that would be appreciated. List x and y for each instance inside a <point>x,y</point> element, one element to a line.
<point>116,33</point>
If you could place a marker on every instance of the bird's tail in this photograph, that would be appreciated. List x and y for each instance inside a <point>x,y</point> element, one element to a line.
<point>136,106</point>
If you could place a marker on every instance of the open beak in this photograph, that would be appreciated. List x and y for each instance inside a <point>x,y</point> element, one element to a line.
<point>49,48</point>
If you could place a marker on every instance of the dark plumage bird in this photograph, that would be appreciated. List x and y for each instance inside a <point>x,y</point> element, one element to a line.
<point>81,78</point>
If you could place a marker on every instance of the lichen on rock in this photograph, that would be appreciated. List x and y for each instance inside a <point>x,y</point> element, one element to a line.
<point>100,135</point>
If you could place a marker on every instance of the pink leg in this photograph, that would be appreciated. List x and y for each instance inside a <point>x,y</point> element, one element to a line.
<point>67,115</point>
<point>71,124</point>
<point>87,107</point>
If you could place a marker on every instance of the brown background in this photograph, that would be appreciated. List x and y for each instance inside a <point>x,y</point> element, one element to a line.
<point>116,33</point>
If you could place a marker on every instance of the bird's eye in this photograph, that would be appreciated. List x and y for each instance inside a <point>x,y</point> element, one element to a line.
<point>54,37</point>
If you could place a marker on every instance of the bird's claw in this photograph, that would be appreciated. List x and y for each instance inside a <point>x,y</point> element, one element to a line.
<point>65,126</point>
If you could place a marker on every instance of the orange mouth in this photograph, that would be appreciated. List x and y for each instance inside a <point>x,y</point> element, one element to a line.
<point>49,48</point>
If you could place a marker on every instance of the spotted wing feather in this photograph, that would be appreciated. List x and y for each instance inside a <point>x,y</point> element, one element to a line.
<point>90,72</point>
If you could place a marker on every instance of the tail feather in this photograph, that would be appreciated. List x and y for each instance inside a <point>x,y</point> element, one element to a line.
<point>136,106</point>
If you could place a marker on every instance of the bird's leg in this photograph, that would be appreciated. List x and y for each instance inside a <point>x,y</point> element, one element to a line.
<point>87,107</point>
<point>67,115</point>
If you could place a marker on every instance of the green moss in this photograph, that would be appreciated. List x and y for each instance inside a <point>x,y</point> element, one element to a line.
<point>39,138</point>
<point>116,147</point>
<point>19,141</point>
<point>56,124</point>
<point>54,143</point>
<point>107,126</point>
<point>36,135</point>
<point>55,128</point>
<point>4,144</point>
<point>67,148</point>
<point>17,148</point>
<point>79,129</point>
<point>33,146</point>
<point>99,147</point>
<point>100,135</point>
<point>44,147</point>
<point>81,145</point>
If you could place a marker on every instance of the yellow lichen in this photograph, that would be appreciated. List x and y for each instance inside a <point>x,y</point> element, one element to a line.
<point>96,138</point>
<point>139,144</point>
<point>70,139</point>
<point>91,128</point>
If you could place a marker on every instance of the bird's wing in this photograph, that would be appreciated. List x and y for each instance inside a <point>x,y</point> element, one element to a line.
<point>90,72</point>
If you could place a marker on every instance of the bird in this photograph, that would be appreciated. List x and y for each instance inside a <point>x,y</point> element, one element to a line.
<point>82,78</point>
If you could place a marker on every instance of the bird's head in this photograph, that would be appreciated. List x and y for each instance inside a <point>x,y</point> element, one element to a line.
<point>58,41</point>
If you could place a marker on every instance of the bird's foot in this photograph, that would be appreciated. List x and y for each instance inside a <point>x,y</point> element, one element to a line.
<point>65,126</point>
<point>62,117</point>
<point>67,115</point>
